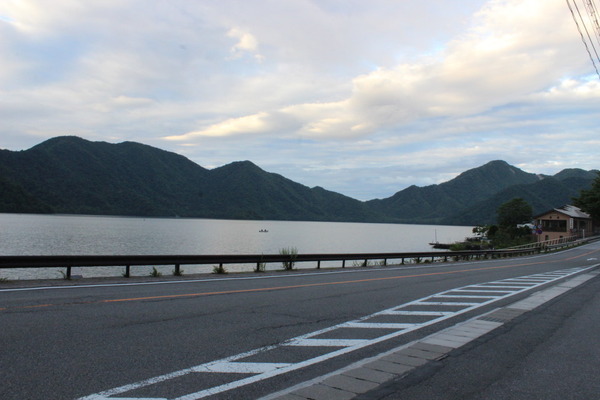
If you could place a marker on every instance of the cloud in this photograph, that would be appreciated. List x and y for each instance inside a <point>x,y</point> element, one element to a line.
<point>247,43</point>
<point>503,59</point>
<point>358,97</point>
<point>257,123</point>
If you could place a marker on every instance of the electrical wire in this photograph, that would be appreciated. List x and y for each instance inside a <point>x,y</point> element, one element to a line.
<point>586,28</point>
<point>593,13</point>
<point>585,43</point>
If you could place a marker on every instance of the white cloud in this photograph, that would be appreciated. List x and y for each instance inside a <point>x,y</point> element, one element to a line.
<point>257,123</point>
<point>358,97</point>
<point>502,59</point>
<point>247,43</point>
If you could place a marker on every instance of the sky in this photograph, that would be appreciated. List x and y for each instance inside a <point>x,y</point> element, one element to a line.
<point>364,98</point>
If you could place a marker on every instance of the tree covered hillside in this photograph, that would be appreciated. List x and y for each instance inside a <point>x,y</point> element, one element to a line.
<point>74,176</point>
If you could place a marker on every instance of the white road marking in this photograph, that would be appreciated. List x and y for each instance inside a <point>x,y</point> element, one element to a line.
<point>376,325</point>
<point>345,271</point>
<point>241,367</point>
<point>236,363</point>
<point>460,296</point>
<point>524,280</point>
<point>422,313</point>
<point>446,303</point>
<point>483,290</point>
<point>498,286</point>
<point>237,278</point>
<point>327,342</point>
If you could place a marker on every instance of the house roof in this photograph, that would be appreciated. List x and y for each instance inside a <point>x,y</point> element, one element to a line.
<point>571,211</point>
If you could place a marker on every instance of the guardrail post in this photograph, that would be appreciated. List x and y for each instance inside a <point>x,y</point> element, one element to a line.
<point>319,264</point>
<point>177,270</point>
<point>343,263</point>
<point>127,273</point>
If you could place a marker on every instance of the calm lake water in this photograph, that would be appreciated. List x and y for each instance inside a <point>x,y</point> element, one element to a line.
<point>30,234</point>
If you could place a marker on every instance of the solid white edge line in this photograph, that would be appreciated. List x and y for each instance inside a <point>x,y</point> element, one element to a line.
<point>392,267</point>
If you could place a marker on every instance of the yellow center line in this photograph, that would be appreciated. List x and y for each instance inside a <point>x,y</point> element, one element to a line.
<point>580,255</point>
<point>273,288</point>
<point>38,306</point>
<point>266,289</point>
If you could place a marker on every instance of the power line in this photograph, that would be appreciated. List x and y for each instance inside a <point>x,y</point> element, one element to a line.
<point>593,13</point>
<point>585,43</point>
<point>586,30</point>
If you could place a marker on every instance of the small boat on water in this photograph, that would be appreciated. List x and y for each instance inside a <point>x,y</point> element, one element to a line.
<point>438,245</point>
<point>263,230</point>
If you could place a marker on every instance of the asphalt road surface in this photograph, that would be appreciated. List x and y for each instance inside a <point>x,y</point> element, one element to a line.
<point>247,336</point>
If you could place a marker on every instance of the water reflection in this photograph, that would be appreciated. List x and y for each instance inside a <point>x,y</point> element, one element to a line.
<point>27,234</point>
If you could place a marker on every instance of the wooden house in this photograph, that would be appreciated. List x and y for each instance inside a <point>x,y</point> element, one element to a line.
<point>563,222</point>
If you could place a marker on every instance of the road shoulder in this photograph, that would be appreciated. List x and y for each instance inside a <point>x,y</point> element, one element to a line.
<point>505,351</point>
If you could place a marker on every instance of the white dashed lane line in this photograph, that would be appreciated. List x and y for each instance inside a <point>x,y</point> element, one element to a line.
<point>342,338</point>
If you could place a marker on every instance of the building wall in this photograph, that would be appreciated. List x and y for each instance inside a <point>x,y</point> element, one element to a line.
<point>556,225</point>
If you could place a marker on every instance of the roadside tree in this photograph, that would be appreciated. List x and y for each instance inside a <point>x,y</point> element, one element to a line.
<point>514,212</point>
<point>589,200</point>
<point>510,214</point>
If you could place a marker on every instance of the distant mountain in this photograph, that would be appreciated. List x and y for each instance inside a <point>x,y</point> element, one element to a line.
<point>13,199</point>
<point>242,190</point>
<point>74,176</point>
<point>544,195</point>
<point>435,203</point>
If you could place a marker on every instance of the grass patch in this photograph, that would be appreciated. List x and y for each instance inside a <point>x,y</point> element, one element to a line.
<point>357,263</point>
<point>292,252</point>
<point>155,273</point>
<point>219,269</point>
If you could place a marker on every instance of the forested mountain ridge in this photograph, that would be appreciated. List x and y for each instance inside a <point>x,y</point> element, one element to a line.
<point>71,175</point>
<point>543,195</point>
<point>432,203</point>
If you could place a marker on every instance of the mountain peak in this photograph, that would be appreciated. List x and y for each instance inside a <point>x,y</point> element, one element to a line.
<point>60,141</point>
<point>68,174</point>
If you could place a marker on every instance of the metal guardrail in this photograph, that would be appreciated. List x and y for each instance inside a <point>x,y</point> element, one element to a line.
<point>553,244</point>
<point>70,261</point>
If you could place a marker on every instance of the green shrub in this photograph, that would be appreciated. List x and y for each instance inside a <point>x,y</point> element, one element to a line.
<point>459,246</point>
<point>358,263</point>
<point>292,252</point>
<point>219,269</point>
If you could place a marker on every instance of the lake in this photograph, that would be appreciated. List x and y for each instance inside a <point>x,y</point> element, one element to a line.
<point>32,234</point>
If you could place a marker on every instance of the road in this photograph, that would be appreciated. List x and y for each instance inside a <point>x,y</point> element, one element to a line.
<point>245,336</point>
